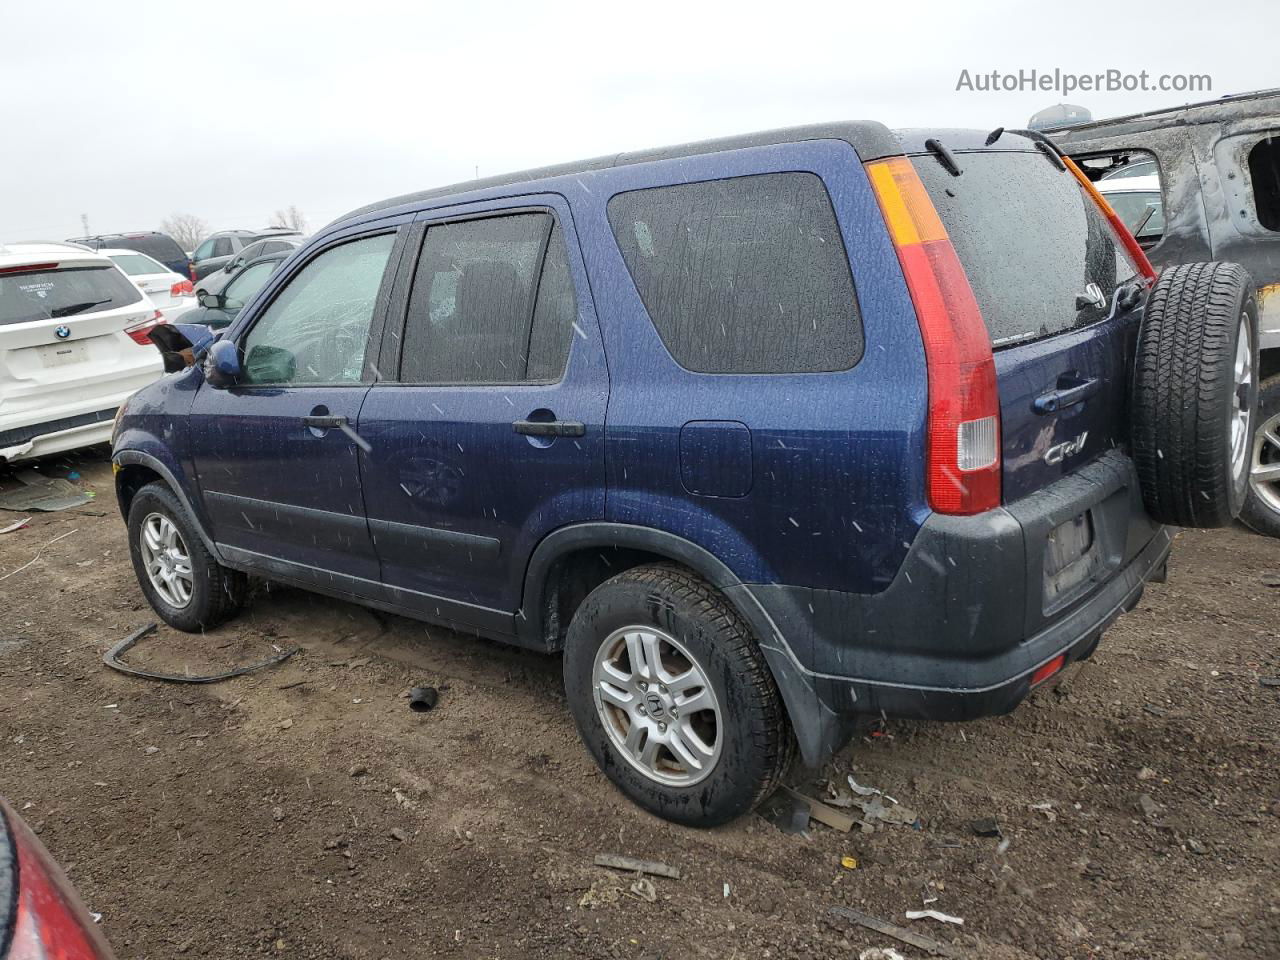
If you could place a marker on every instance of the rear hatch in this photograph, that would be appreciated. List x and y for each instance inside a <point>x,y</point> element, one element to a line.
<point>62,339</point>
<point>1062,302</point>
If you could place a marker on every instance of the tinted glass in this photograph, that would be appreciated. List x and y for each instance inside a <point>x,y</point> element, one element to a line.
<point>222,247</point>
<point>1030,241</point>
<point>51,294</point>
<point>159,246</point>
<point>138,265</point>
<point>1134,168</point>
<point>747,275</point>
<point>317,329</point>
<point>246,283</point>
<point>473,300</point>
<point>205,250</point>
<point>554,314</point>
<point>1264,174</point>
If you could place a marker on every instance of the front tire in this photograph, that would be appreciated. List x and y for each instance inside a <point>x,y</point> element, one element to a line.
<point>181,579</point>
<point>673,697</point>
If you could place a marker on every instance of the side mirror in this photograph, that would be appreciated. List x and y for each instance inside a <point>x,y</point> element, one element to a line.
<point>222,364</point>
<point>211,300</point>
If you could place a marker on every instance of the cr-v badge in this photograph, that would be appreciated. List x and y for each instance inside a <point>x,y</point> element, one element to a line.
<point>1060,452</point>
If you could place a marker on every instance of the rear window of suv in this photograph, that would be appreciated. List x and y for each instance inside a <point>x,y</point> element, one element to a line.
<point>1030,240</point>
<point>744,275</point>
<point>160,247</point>
<point>53,294</point>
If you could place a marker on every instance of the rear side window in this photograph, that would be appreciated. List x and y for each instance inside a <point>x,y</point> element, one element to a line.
<point>53,294</point>
<point>137,265</point>
<point>492,302</point>
<point>1031,242</point>
<point>745,275</point>
<point>160,247</point>
<point>1264,172</point>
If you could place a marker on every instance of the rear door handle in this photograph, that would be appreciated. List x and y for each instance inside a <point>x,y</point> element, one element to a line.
<point>549,428</point>
<point>1066,396</point>
<point>324,423</point>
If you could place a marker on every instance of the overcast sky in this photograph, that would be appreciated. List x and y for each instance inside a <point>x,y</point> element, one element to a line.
<point>129,111</point>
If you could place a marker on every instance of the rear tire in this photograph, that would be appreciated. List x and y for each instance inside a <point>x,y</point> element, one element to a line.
<point>1194,394</point>
<point>180,578</point>
<point>742,741</point>
<point>1262,509</point>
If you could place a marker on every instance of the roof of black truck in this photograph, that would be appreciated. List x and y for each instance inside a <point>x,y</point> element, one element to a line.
<point>1258,103</point>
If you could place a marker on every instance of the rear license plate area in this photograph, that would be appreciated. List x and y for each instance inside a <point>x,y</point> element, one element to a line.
<point>63,354</point>
<point>1071,557</point>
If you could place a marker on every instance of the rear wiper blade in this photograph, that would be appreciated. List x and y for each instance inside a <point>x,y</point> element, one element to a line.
<point>945,156</point>
<point>71,308</point>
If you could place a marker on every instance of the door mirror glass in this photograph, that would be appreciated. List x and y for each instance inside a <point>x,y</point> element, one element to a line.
<point>222,365</point>
<point>211,300</point>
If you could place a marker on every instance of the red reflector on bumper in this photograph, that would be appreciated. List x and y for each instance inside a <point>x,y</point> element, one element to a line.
<point>1048,670</point>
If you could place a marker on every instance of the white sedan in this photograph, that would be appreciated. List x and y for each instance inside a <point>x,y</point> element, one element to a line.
<point>171,292</point>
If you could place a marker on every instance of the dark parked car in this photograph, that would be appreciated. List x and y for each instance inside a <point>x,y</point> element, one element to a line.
<point>158,246</point>
<point>40,914</point>
<point>763,433</point>
<point>219,249</point>
<point>1216,169</point>
<point>217,310</point>
<point>216,281</point>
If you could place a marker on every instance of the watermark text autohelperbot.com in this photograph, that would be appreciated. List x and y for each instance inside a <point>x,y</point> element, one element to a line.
<point>1065,83</point>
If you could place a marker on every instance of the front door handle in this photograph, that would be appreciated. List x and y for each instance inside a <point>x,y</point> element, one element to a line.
<point>1066,395</point>
<point>549,428</point>
<point>325,422</point>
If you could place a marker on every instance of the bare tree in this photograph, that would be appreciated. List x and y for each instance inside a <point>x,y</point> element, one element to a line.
<point>291,218</point>
<point>186,228</point>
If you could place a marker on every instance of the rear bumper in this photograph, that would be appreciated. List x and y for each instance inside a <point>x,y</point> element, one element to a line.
<point>969,617</point>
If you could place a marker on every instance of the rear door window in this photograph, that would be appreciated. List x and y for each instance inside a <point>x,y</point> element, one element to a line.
<point>1031,242</point>
<point>160,247</point>
<point>137,264</point>
<point>744,275</point>
<point>492,302</point>
<point>54,294</point>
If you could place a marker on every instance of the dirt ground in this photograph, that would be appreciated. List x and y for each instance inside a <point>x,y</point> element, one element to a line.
<point>305,811</point>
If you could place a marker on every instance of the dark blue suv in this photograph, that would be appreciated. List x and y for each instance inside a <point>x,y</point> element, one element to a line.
<point>762,433</point>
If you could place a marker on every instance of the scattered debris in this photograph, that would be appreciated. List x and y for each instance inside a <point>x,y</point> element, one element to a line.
<point>1154,711</point>
<point>986,827</point>
<point>39,554</point>
<point>398,834</point>
<point>1046,808</point>
<point>1196,847</point>
<point>632,865</point>
<point>643,889</point>
<point>1270,578</point>
<point>1265,681</point>
<point>819,811</point>
<point>934,915</point>
<point>1146,773</point>
<point>936,947</point>
<point>422,699</point>
<point>848,862</point>
<point>285,724</point>
<point>16,525</point>
<point>876,810</point>
<point>277,814</point>
<point>111,659</point>
<point>150,750</point>
<point>44,494</point>
<point>1149,808</point>
<point>359,770</point>
<point>880,953</point>
<point>861,790</point>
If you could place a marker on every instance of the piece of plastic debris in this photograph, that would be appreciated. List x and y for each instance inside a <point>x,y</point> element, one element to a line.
<point>398,834</point>
<point>726,891</point>
<point>1003,845</point>
<point>934,915</point>
<point>1046,808</point>
<point>16,525</point>
<point>985,827</point>
<point>422,699</point>
<point>1269,681</point>
<point>935,947</point>
<point>786,811</point>
<point>830,816</point>
<point>880,953</point>
<point>848,862</point>
<point>39,554</point>
<point>44,494</point>
<point>861,790</point>
<point>617,861</point>
<point>643,889</point>
<point>112,659</point>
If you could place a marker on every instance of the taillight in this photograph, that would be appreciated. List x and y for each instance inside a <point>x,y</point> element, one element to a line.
<point>1123,233</point>
<point>183,288</point>
<point>51,923</point>
<point>140,331</point>
<point>963,470</point>
<point>191,269</point>
<point>1048,670</point>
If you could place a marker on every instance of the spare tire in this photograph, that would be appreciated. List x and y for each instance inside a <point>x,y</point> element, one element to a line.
<point>1195,391</point>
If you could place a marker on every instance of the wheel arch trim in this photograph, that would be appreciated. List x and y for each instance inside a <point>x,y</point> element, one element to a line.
<point>137,458</point>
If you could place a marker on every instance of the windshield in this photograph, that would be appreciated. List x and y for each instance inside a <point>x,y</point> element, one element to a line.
<point>138,264</point>
<point>50,294</point>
